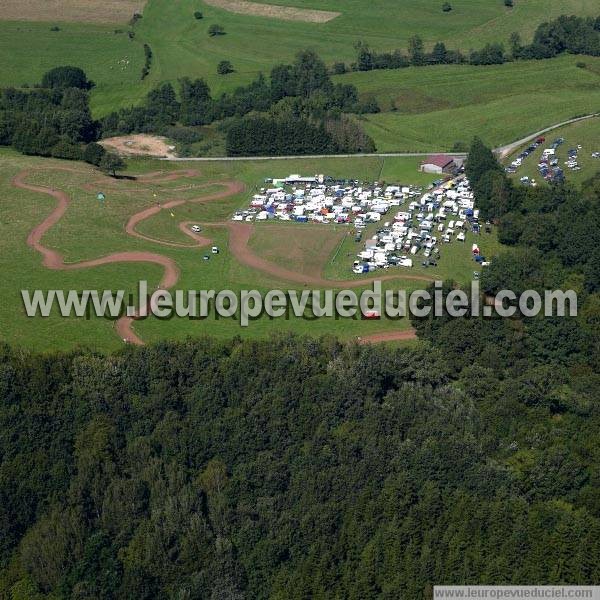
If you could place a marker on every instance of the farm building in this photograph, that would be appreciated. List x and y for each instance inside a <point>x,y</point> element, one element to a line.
<point>438,163</point>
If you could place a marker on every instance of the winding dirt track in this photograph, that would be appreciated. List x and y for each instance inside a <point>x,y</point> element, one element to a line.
<point>231,188</point>
<point>54,260</point>
<point>239,236</point>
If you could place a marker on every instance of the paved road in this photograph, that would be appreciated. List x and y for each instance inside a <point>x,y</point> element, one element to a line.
<point>304,156</point>
<point>509,148</point>
<point>502,151</point>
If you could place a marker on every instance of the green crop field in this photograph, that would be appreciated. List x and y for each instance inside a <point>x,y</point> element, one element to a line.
<point>438,106</point>
<point>91,229</point>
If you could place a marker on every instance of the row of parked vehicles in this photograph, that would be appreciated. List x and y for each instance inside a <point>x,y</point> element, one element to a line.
<point>518,161</point>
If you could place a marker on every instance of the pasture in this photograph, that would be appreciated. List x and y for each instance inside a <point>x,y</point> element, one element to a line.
<point>386,24</point>
<point>182,47</point>
<point>434,107</point>
<point>90,229</point>
<point>108,56</point>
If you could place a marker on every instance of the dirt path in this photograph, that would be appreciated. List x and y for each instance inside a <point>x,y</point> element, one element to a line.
<point>55,260</point>
<point>388,336</point>
<point>273,11</point>
<point>239,236</point>
<point>504,151</point>
<point>231,188</point>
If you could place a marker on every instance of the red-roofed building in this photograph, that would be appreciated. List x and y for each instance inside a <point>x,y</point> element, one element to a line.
<point>438,163</point>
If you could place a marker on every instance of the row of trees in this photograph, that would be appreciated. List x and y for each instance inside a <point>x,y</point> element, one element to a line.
<point>572,34</point>
<point>55,120</point>
<point>147,61</point>
<point>290,133</point>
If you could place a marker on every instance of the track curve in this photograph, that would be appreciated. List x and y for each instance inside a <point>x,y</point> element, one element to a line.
<point>53,259</point>
<point>231,188</point>
<point>239,237</point>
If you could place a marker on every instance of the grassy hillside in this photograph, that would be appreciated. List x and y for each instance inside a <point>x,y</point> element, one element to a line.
<point>437,106</point>
<point>181,44</point>
<point>470,23</point>
<point>90,229</point>
<point>28,50</point>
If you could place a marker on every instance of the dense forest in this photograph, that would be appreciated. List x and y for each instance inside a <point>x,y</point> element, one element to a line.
<point>299,468</point>
<point>572,34</point>
<point>294,469</point>
<point>53,120</point>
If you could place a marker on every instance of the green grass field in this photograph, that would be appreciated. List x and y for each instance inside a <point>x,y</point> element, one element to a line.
<point>586,134</point>
<point>28,50</point>
<point>182,47</point>
<point>423,109</point>
<point>471,23</point>
<point>438,106</point>
<point>91,229</point>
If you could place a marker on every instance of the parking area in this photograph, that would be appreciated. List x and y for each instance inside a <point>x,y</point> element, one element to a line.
<point>392,225</point>
<point>322,199</point>
<point>572,154</point>
<point>416,234</point>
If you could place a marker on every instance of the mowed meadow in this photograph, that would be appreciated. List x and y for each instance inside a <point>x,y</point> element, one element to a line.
<point>434,107</point>
<point>433,104</point>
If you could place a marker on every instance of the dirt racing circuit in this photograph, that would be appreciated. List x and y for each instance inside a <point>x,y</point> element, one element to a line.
<point>239,236</point>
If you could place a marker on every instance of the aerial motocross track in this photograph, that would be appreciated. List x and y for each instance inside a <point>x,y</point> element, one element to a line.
<point>239,236</point>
